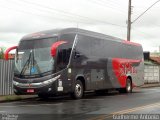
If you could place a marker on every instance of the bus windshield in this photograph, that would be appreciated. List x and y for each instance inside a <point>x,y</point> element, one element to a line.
<point>33,57</point>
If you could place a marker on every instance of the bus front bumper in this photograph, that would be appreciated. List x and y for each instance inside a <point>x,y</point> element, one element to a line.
<point>49,89</point>
<point>50,86</point>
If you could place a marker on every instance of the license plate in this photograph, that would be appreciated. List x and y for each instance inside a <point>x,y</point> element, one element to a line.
<point>30,91</point>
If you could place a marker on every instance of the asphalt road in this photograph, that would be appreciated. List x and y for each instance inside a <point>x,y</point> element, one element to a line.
<point>91,107</point>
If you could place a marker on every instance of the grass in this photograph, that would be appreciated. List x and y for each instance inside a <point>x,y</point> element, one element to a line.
<point>8,98</point>
<point>11,98</point>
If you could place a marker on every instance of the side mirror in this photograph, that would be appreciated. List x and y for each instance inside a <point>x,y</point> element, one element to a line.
<point>77,55</point>
<point>55,46</point>
<point>6,54</point>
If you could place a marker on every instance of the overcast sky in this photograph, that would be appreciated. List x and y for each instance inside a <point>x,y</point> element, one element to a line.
<point>21,17</point>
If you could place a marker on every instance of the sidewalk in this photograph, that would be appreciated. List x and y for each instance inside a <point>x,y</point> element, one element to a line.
<point>150,85</point>
<point>15,97</point>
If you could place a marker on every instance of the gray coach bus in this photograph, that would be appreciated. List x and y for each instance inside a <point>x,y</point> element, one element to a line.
<point>73,61</point>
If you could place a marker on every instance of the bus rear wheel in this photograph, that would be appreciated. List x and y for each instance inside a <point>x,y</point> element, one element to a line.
<point>78,90</point>
<point>128,88</point>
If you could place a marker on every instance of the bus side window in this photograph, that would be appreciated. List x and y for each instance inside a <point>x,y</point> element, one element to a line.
<point>83,45</point>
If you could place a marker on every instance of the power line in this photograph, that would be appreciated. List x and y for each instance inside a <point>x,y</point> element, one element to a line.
<point>84,22</point>
<point>106,5</point>
<point>72,13</point>
<point>61,11</point>
<point>40,15</point>
<point>103,4</point>
<point>146,34</point>
<point>145,11</point>
<point>52,10</point>
<point>44,10</point>
<point>113,3</point>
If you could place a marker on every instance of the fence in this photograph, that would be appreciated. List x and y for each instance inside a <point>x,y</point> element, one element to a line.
<point>6,75</point>
<point>152,74</point>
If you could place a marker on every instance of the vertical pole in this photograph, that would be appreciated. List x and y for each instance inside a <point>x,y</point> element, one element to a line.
<point>129,21</point>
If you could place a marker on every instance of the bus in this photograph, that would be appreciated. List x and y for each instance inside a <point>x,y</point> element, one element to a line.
<point>74,61</point>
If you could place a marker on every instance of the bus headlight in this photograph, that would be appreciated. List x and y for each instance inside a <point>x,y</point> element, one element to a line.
<point>15,83</point>
<point>51,80</point>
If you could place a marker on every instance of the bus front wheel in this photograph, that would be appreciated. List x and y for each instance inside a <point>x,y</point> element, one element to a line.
<point>78,90</point>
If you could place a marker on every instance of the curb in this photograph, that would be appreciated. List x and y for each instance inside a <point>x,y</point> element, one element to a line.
<point>150,85</point>
<point>12,98</point>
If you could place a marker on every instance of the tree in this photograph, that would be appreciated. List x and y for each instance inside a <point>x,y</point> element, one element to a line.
<point>1,53</point>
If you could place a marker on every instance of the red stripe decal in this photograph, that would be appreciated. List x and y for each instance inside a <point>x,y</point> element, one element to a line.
<point>55,46</point>
<point>131,43</point>
<point>122,67</point>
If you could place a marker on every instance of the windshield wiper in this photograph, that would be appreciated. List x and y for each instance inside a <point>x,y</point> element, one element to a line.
<point>35,64</point>
<point>25,66</point>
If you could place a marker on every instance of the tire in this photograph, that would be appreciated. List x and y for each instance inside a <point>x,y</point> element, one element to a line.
<point>78,90</point>
<point>43,96</point>
<point>128,88</point>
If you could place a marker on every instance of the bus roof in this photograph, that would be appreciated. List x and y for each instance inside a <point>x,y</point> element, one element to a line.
<point>58,32</point>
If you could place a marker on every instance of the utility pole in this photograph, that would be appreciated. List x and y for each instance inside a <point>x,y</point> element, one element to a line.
<point>129,21</point>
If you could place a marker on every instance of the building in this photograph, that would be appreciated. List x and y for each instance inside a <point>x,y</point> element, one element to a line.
<point>152,68</point>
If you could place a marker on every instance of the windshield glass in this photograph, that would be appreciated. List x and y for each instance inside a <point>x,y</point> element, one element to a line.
<point>33,57</point>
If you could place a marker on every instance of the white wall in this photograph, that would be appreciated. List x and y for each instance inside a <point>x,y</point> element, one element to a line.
<point>151,74</point>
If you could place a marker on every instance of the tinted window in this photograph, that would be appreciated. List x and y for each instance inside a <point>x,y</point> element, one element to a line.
<point>64,51</point>
<point>40,43</point>
<point>83,45</point>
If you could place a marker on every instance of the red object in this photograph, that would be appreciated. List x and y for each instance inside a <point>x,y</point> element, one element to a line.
<point>131,43</point>
<point>30,91</point>
<point>122,67</point>
<point>7,52</point>
<point>55,46</point>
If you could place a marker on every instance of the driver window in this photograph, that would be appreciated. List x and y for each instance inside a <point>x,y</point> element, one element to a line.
<point>64,51</point>
<point>63,58</point>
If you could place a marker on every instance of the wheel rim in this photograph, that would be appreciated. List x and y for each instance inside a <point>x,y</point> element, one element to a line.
<point>78,89</point>
<point>129,86</point>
